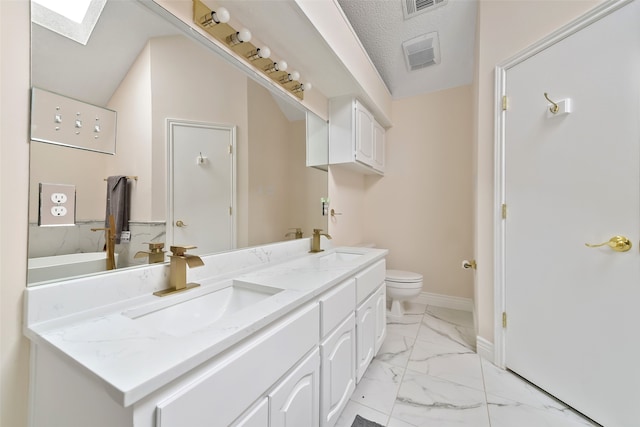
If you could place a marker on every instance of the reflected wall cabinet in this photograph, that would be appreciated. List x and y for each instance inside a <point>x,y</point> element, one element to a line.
<point>356,140</point>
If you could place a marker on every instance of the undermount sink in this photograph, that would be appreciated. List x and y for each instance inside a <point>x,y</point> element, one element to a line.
<point>188,315</point>
<point>339,256</point>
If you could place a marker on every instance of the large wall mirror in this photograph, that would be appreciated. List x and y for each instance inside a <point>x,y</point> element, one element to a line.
<point>148,71</point>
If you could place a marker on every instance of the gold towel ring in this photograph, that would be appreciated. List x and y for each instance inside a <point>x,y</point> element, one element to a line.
<point>554,108</point>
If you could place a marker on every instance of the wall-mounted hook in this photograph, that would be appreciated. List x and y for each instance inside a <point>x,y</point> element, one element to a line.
<point>200,160</point>
<point>554,108</point>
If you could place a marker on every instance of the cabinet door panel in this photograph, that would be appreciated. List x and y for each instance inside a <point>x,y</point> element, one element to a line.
<point>365,334</point>
<point>378,146</point>
<point>381,316</point>
<point>364,135</point>
<point>338,371</point>
<point>258,416</point>
<point>295,401</point>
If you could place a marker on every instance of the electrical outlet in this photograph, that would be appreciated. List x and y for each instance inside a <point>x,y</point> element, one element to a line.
<point>58,211</point>
<point>59,198</point>
<point>57,205</point>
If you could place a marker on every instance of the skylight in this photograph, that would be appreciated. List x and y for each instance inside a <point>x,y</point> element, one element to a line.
<point>73,19</point>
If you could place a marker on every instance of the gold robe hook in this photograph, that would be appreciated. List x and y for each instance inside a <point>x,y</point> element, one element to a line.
<point>554,108</point>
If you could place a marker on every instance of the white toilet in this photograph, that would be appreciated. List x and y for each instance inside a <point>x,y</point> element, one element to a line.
<point>402,286</point>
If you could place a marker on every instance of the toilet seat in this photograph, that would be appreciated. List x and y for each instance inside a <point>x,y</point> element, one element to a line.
<point>400,277</point>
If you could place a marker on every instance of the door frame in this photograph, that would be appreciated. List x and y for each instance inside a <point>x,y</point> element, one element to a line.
<point>171,124</point>
<point>501,74</point>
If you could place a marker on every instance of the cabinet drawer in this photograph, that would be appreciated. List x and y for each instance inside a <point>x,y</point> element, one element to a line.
<point>368,280</point>
<point>336,305</point>
<point>236,380</point>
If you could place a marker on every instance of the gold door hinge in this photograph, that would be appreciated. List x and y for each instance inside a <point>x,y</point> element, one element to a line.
<point>230,210</point>
<point>230,149</point>
<point>504,103</point>
<point>504,211</point>
<point>504,319</point>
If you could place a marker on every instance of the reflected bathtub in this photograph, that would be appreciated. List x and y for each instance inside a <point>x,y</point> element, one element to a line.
<point>48,268</point>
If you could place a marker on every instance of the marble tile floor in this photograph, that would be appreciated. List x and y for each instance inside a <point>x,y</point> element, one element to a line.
<point>427,374</point>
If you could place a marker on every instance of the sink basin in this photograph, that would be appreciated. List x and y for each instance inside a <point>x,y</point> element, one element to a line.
<point>339,256</point>
<point>198,312</point>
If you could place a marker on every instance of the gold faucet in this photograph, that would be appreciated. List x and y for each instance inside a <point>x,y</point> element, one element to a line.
<point>297,233</point>
<point>315,240</point>
<point>179,261</point>
<point>155,252</point>
<point>109,242</point>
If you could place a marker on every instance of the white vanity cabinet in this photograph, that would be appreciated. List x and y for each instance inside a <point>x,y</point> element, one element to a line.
<point>370,315</point>
<point>356,140</point>
<point>295,401</point>
<point>299,369</point>
<point>337,351</point>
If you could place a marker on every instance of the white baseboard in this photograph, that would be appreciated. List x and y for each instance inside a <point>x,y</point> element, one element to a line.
<point>485,349</point>
<point>445,301</point>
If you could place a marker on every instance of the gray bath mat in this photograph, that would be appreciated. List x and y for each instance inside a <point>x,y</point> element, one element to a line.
<point>361,422</point>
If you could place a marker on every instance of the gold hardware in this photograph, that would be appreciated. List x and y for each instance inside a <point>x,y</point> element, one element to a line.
<point>504,319</point>
<point>504,211</point>
<point>179,261</point>
<point>334,213</point>
<point>554,108</point>
<point>155,252</point>
<point>315,240</point>
<point>297,233</point>
<point>470,264</point>
<point>504,103</point>
<point>180,223</point>
<point>110,242</point>
<point>223,32</point>
<point>617,243</point>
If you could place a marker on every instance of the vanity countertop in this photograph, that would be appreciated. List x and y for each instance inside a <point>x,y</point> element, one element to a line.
<point>133,359</point>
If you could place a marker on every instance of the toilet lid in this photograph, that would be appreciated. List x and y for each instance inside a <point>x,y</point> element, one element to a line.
<point>401,276</point>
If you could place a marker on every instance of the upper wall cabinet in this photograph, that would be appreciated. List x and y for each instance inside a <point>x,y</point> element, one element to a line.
<point>356,140</point>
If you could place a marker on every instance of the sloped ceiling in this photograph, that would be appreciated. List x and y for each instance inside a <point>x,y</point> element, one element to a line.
<point>381,28</point>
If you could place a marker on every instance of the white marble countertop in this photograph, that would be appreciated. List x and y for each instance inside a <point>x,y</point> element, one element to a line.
<point>133,359</point>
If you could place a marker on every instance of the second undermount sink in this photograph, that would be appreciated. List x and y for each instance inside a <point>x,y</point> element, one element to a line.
<point>340,256</point>
<point>202,310</point>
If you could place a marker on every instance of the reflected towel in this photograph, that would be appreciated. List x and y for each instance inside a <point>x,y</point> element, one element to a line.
<point>118,203</point>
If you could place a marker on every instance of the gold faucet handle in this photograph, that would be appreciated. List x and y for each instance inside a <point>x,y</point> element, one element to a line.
<point>155,246</point>
<point>180,250</point>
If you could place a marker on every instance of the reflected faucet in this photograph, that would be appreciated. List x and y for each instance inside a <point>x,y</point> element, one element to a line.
<point>109,242</point>
<point>297,233</point>
<point>315,240</point>
<point>155,252</point>
<point>179,261</point>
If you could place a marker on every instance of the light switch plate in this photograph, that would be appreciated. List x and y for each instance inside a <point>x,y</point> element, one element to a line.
<point>57,205</point>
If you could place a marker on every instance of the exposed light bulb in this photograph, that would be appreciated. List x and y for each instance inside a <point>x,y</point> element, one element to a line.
<point>306,86</point>
<point>263,52</point>
<point>241,36</point>
<point>281,65</point>
<point>221,16</point>
<point>294,75</point>
<point>217,16</point>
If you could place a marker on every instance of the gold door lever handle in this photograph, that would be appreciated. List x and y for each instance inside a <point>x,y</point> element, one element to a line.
<point>180,223</point>
<point>617,243</point>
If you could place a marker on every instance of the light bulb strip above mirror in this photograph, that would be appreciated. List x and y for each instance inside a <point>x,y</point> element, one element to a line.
<point>214,22</point>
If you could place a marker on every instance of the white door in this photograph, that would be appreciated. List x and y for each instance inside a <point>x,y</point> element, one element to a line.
<point>572,311</point>
<point>201,186</point>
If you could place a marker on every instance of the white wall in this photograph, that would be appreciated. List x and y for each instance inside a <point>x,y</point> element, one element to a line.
<point>14,184</point>
<point>422,210</point>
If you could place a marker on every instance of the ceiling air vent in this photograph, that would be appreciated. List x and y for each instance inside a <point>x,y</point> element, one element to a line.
<point>412,8</point>
<point>422,51</point>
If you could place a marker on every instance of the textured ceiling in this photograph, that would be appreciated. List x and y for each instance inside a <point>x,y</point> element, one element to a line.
<point>381,28</point>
